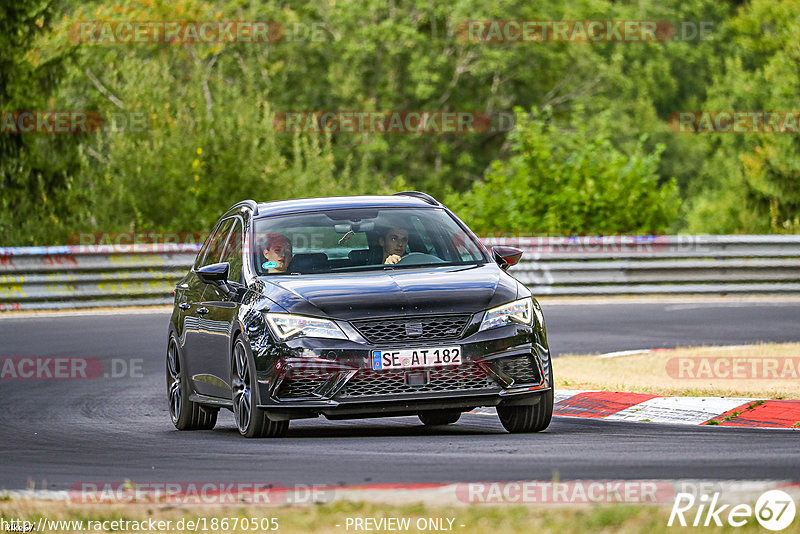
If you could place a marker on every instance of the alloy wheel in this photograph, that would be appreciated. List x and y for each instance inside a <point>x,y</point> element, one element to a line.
<point>174,372</point>
<point>242,395</point>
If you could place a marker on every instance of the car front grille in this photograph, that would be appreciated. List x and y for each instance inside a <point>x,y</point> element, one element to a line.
<point>369,383</point>
<point>439,327</point>
<point>520,368</point>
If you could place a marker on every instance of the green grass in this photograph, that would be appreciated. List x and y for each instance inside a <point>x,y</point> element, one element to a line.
<point>654,373</point>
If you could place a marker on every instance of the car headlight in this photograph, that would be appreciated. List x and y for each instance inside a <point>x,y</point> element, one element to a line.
<point>517,312</point>
<point>285,326</point>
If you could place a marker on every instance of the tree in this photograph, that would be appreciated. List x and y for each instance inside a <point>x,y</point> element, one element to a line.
<point>751,182</point>
<point>36,171</point>
<point>208,138</point>
<point>569,181</point>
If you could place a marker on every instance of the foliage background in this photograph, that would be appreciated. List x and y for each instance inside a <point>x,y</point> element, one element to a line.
<point>591,153</point>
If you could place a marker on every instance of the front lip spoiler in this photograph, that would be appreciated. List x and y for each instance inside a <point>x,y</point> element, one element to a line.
<point>483,398</point>
<point>395,407</point>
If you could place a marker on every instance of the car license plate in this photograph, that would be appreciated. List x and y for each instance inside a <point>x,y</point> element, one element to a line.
<point>414,358</point>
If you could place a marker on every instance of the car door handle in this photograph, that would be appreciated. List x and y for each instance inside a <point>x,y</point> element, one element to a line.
<point>202,311</point>
<point>184,305</point>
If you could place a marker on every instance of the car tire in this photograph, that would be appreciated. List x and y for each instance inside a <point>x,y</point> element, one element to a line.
<point>439,417</point>
<point>185,414</point>
<point>526,418</point>
<point>251,421</point>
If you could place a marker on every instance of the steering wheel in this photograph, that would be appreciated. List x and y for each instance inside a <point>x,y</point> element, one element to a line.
<point>419,258</point>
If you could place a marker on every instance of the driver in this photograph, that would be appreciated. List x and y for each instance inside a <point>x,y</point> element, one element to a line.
<point>278,252</point>
<point>394,242</point>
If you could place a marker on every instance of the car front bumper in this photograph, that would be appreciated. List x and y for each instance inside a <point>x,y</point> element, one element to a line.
<point>308,377</point>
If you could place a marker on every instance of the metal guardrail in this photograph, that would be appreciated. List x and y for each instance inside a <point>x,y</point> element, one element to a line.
<point>141,274</point>
<point>629,265</point>
<point>34,278</point>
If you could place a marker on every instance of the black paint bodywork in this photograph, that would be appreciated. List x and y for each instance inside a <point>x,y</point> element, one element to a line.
<point>208,316</point>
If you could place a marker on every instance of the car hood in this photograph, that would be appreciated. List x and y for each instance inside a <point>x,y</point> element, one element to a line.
<point>461,289</point>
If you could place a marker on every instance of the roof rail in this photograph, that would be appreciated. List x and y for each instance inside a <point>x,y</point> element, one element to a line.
<point>249,203</point>
<point>419,194</point>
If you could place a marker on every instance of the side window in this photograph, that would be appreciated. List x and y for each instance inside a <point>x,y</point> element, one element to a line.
<point>198,261</point>
<point>232,253</point>
<point>216,242</point>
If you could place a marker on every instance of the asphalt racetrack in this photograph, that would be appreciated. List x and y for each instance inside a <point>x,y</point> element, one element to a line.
<point>58,433</point>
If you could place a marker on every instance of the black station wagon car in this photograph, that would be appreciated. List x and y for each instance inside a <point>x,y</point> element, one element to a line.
<point>352,307</point>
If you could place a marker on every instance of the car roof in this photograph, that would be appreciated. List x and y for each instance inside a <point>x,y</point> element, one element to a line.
<point>284,207</point>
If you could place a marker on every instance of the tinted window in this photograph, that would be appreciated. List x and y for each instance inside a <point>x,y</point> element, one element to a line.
<point>215,243</point>
<point>361,239</point>
<point>198,261</point>
<point>232,253</point>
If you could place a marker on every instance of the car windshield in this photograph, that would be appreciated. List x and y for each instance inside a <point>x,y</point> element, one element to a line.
<point>361,239</point>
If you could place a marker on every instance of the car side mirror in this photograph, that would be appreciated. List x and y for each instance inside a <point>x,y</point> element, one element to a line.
<point>216,274</point>
<point>505,257</point>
